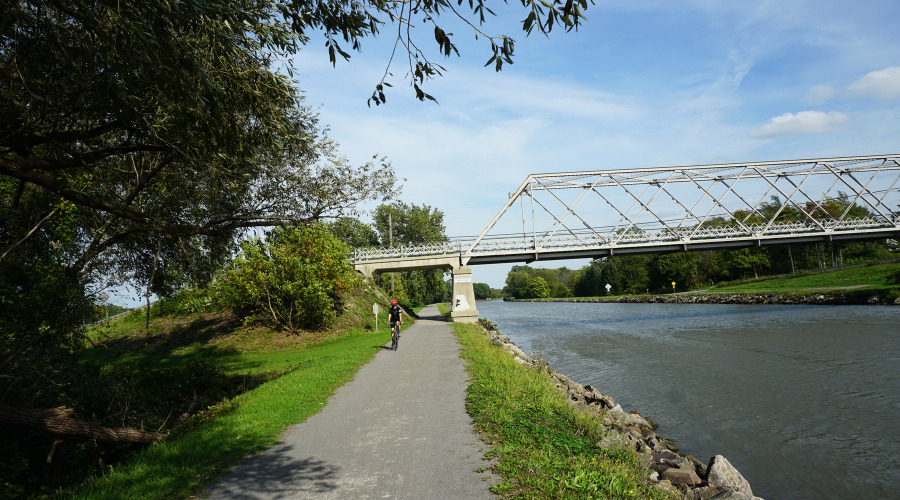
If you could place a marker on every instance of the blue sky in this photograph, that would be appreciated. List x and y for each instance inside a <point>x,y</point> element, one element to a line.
<point>641,84</point>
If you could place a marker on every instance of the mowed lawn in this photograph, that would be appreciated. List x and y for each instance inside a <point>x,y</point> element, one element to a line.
<point>863,277</point>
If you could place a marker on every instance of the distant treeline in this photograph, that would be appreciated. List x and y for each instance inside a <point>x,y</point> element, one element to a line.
<point>637,274</point>
<point>656,273</point>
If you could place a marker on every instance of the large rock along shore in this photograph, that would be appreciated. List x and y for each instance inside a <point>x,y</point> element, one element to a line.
<point>671,471</point>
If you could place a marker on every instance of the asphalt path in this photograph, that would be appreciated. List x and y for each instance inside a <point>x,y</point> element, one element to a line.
<point>398,430</point>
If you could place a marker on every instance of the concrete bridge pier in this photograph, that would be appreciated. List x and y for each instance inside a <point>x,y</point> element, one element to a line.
<point>462,301</point>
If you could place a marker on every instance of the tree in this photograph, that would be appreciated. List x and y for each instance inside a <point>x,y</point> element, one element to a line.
<point>537,289</point>
<point>739,263</point>
<point>405,224</point>
<point>517,283</point>
<point>295,278</point>
<point>354,232</point>
<point>402,224</point>
<point>482,291</point>
<point>155,174</point>
<point>678,267</point>
<point>634,277</point>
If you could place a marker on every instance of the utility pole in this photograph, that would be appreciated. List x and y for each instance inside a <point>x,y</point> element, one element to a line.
<point>391,238</point>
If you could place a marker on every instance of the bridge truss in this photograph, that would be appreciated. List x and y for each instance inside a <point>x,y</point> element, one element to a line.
<point>653,210</point>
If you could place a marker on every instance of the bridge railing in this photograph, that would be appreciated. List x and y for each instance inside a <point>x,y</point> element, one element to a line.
<point>528,244</point>
<point>404,251</point>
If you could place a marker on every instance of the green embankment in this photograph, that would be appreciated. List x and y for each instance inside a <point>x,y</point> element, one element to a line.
<point>219,437</point>
<point>542,446</point>
<point>871,277</point>
<point>179,467</point>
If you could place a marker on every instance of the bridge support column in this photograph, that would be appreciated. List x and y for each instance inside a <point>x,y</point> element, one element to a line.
<point>366,270</point>
<point>462,303</point>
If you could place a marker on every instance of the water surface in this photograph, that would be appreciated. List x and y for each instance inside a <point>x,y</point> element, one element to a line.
<point>803,400</point>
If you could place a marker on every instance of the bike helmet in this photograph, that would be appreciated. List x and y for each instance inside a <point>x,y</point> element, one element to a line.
<point>393,302</point>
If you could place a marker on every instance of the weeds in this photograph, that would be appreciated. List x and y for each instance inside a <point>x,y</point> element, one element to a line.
<point>542,446</point>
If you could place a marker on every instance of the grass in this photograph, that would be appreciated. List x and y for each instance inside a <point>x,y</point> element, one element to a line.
<point>296,374</point>
<point>249,423</point>
<point>542,446</point>
<point>863,278</point>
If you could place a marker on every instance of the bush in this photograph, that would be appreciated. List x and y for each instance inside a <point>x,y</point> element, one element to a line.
<point>296,278</point>
<point>188,301</point>
<point>894,278</point>
<point>538,289</point>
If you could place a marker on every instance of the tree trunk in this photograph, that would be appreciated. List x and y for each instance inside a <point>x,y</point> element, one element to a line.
<point>60,421</point>
<point>150,281</point>
<point>791,255</point>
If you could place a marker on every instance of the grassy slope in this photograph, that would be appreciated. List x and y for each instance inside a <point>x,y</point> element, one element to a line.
<point>868,278</point>
<point>543,447</point>
<point>313,367</point>
<point>863,278</point>
<point>249,423</point>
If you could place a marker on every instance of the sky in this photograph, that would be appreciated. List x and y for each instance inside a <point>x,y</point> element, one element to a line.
<point>640,84</point>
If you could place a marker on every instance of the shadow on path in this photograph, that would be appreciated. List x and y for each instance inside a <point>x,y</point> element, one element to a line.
<point>277,475</point>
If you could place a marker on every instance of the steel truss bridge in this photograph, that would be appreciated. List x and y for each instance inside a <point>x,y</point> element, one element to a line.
<point>656,210</point>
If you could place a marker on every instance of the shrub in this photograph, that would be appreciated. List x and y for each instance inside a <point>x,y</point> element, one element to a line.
<point>538,289</point>
<point>295,278</point>
<point>894,278</point>
<point>188,301</point>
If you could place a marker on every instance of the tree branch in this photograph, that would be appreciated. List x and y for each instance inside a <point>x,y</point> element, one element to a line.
<point>60,421</point>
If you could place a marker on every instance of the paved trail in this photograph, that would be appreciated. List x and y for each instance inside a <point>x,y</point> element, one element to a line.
<point>399,430</point>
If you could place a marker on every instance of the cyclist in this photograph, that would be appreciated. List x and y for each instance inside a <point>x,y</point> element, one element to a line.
<point>395,316</point>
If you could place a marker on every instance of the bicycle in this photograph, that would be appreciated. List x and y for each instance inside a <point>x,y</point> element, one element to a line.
<point>395,334</point>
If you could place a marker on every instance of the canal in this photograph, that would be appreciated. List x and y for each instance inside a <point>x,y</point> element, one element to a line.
<point>803,400</point>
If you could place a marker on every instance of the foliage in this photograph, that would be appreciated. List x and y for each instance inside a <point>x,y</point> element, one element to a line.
<point>404,224</point>
<point>538,288</point>
<point>399,223</point>
<point>163,171</point>
<point>43,310</point>
<point>416,288</point>
<point>353,232</point>
<point>191,300</point>
<point>894,277</point>
<point>295,278</point>
<point>655,273</point>
<point>541,445</point>
<point>738,263</point>
<point>517,283</point>
<point>482,291</point>
<point>520,282</point>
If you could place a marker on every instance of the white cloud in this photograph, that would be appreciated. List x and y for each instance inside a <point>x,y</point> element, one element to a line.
<point>804,122</point>
<point>820,94</point>
<point>882,84</point>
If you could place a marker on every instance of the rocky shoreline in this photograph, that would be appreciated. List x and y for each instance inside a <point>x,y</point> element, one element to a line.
<point>855,298</point>
<point>672,471</point>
